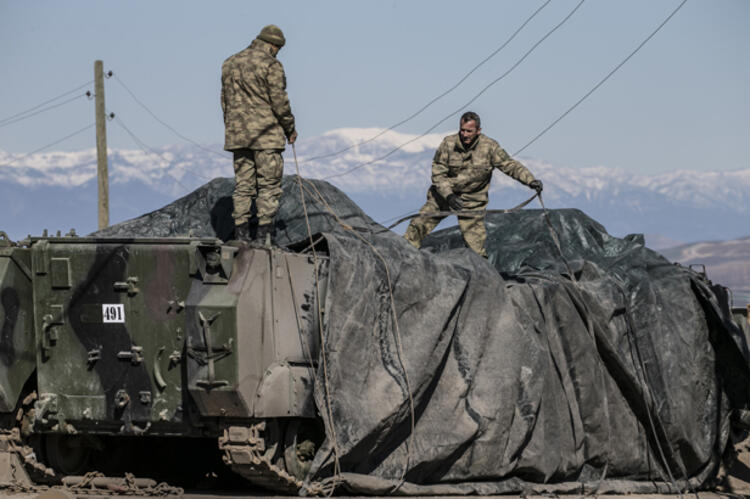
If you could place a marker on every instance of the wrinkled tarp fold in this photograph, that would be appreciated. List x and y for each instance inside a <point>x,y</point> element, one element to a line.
<point>450,374</point>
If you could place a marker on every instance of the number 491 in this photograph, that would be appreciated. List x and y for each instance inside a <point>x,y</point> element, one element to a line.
<point>114,312</point>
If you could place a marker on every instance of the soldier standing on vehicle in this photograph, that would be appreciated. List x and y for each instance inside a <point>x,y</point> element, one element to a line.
<point>258,121</point>
<point>461,174</point>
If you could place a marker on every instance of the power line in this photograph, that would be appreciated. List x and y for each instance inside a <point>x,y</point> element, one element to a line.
<point>423,108</point>
<point>136,99</point>
<point>601,82</point>
<point>49,145</point>
<point>46,102</point>
<point>148,149</point>
<point>476,96</point>
<point>21,118</point>
<point>143,147</point>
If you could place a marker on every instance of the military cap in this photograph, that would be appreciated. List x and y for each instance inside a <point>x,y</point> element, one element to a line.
<point>272,34</point>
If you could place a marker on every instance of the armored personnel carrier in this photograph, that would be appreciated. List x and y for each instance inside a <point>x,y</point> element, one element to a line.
<point>116,352</point>
<point>189,358</point>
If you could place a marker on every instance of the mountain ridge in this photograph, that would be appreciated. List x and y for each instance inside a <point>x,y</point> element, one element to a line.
<point>678,206</point>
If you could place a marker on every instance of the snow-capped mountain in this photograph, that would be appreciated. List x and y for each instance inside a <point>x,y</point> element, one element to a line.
<point>386,173</point>
<point>162,170</point>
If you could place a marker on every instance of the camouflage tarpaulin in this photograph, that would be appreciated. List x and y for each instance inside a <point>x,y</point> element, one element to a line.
<point>621,378</point>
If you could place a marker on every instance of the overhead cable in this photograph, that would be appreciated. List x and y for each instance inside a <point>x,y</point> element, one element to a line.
<point>167,125</point>
<point>148,149</point>
<point>48,101</point>
<point>434,100</point>
<point>44,109</point>
<point>144,148</point>
<point>476,96</point>
<point>601,82</point>
<point>593,89</point>
<point>19,158</point>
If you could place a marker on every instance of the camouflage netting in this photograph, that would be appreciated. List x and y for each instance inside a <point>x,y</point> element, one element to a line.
<point>619,378</point>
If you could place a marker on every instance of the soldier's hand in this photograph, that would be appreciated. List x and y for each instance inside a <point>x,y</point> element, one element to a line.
<point>292,137</point>
<point>455,202</point>
<point>536,185</point>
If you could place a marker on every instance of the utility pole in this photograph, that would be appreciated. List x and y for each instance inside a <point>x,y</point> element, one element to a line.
<point>101,146</point>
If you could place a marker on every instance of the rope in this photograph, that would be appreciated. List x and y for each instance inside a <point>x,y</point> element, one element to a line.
<point>634,344</point>
<point>558,246</point>
<point>327,389</point>
<point>556,239</point>
<point>632,340</point>
<point>397,331</point>
<point>321,487</point>
<point>648,392</point>
<point>460,213</point>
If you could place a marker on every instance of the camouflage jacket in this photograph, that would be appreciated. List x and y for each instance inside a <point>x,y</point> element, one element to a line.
<point>468,172</point>
<point>257,114</point>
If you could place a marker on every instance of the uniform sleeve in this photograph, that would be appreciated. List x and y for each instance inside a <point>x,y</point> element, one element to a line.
<point>509,166</point>
<point>223,105</point>
<point>223,83</point>
<point>440,171</point>
<point>279,98</point>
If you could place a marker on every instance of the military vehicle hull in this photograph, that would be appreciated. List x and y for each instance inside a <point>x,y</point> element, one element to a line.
<point>110,343</point>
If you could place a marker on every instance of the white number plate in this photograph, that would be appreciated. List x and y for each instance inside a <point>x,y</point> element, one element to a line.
<point>113,312</point>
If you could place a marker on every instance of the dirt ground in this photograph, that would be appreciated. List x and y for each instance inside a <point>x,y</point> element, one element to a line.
<point>735,482</point>
<point>736,479</point>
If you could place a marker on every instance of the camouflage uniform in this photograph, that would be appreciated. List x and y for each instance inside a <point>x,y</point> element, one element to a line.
<point>258,120</point>
<point>466,172</point>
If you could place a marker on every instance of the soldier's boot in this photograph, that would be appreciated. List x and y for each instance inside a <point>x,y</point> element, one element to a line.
<point>242,233</point>
<point>264,235</point>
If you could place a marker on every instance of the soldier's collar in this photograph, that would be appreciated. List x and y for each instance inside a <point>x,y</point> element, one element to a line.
<point>460,145</point>
<point>263,46</point>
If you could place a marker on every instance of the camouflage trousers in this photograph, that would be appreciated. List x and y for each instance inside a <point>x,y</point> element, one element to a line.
<point>257,176</point>
<point>472,227</point>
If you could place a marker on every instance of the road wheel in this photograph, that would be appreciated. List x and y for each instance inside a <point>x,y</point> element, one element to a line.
<point>302,440</point>
<point>67,454</point>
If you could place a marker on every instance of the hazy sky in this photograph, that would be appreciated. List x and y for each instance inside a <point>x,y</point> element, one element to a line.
<point>681,103</point>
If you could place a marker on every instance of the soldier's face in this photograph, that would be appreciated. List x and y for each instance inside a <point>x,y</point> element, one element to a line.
<point>468,132</point>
